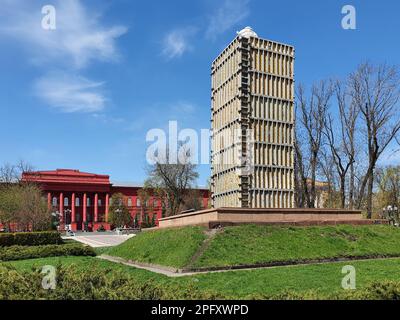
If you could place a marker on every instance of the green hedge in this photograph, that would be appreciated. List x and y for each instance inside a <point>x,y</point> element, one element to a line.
<point>73,283</point>
<point>51,250</point>
<point>376,290</point>
<point>29,238</point>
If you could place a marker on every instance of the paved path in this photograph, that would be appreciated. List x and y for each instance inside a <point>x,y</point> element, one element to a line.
<point>101,240</point>
<point>170,272</point>
<point>173,272</point>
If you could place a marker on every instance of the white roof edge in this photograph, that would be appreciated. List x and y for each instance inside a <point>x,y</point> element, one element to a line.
<point>140,185</point>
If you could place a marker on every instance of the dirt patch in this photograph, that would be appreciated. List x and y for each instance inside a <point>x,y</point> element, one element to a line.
<point>343,235</point>
<point>210,233</point>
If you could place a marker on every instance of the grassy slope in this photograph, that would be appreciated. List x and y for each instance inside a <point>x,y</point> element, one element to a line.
<point>170,247</point>
<point>323,278</point>
<point>255,244</point>
<point>84,263</point>
<point>252,244</point>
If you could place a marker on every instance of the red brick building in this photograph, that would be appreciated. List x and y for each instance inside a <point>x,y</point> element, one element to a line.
<point>84,198</point>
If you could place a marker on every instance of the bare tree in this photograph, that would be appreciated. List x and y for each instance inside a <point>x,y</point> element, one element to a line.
<point>176,179</point>
<point>375,91</point>
<point>336,148</point>
<point>302,196</point>
<point>341,141</point>
<point>327,168</point>
<point>10,173</point>
<point>23,167</point>
<point>349,113</point>
<point>312,113</point>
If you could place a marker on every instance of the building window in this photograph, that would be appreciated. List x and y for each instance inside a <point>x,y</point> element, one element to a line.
<point>99,202</point>
<point>77,202</point>
<point>138,202</point>
<point>55,201</point>
<point>66,202</point>
<point>88,202</point>
<point>129,202</point>
<point>111,201</point>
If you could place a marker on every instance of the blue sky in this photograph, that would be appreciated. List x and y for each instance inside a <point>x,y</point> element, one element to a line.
<point>84,95</point>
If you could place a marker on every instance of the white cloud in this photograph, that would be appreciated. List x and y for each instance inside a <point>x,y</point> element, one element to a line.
<point>78,39</point>
<point>183,107</point>
<point>70,93</point>
<point>176,42</point>
<point>182,111</point>
<point>226,16</point>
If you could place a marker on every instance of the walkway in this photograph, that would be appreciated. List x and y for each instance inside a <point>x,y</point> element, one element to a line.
<point>100,240</point>
<point>174,272</point>
<point>166,271</point>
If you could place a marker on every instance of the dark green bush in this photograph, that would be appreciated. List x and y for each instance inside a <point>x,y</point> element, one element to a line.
<point>30,238</point>
<point>383,290</point>
<point>17,286</point>
<point>74,284</point>
<point>288,295</point>
<point>51,250</point>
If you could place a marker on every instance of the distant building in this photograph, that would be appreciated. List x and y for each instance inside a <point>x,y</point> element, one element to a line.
<point>84,198</point>
<point>252,93</point>
<point>321,194</point>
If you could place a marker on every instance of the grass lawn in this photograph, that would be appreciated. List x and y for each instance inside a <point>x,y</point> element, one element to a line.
<point>84,263</point>
<point>252,244</point>
<point>322,278</point>
<point>101,250</point>
<point>255,244</point>
<point>169,247</point>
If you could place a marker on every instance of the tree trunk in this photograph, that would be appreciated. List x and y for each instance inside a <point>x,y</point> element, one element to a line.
<point>370,193</point>
<point>311,202</point>
<point>342,191</point>
<point>351,187</point>
<point>363,186</point>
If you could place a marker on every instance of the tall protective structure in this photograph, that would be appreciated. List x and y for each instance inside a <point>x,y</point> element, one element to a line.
<point>252,122</point>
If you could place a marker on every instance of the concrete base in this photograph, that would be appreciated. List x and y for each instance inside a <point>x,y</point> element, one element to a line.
<point>233,216</point>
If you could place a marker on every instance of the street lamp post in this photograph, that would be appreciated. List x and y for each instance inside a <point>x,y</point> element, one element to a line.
<point>66,211</point>
<point>56,216</point>
<point>391,213</point>
<point>118,229</point>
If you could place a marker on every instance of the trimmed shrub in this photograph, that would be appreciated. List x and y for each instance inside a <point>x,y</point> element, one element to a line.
<point>52,250</point>
<point>73,283</point>
<point>76,284</point>
<point>30,238</point>
<point>382,290</point>
<point>17,286</point>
